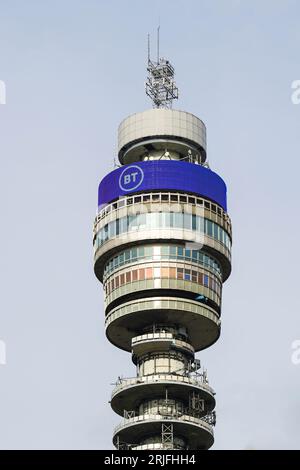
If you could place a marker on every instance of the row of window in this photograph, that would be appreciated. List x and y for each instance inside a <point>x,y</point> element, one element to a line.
<point>162,273</point>
<point>158,253</point>
<point>160,197</point>
<point>156,220</point>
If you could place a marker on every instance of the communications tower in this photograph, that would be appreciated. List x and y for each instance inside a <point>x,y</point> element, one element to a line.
<point>162,249</point>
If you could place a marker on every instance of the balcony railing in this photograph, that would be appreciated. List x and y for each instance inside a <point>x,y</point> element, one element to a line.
<point>180,418</point>
<point>198,381</point>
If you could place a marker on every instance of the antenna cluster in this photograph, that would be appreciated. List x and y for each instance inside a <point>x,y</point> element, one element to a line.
<point>160,84</point>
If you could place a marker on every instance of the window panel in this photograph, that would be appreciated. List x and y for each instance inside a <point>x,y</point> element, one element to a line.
<point>165,272</point>
<point>179,273</point>
<point>149,273</point>
<point>156,272</point>
<point>141,274</point>
<point>172,273</point>
<point>180,251</point>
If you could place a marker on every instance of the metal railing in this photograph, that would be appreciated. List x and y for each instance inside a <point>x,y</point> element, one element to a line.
<point>198,381</point>
<point>148,417</point>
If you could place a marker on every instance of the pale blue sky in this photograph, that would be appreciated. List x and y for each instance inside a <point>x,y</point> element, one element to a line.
<point>73,69</point>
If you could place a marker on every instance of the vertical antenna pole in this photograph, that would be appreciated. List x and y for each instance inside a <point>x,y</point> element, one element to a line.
<point>158,44</point>
<point>148,48</point>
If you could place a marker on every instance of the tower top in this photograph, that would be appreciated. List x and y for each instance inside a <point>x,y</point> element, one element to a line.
<point>160,84</point>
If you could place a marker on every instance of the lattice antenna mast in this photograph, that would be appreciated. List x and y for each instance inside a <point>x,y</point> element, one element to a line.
<point>160,84</point>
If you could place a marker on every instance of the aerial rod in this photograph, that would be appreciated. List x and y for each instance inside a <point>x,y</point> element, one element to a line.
<point>158,31</point>
<point>148,48</point>
<point>157,45</point>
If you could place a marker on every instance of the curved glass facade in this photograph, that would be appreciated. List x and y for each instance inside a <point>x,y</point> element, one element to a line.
<point>157,220</point>
<point>161,253</point>
<point>182,274</point>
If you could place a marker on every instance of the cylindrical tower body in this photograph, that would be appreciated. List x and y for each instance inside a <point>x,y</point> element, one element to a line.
<point>162,244</point>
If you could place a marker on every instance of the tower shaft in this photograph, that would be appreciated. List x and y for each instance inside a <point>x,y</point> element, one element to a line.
<point>162,244</point>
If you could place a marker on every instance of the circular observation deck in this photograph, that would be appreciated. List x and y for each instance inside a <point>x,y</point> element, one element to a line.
<point>195,432</point>
<point>157,342</point>
<point>129,393</point>
<point>127,320</point>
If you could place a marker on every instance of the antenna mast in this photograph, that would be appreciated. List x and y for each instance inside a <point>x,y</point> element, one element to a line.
<point>160,84</point>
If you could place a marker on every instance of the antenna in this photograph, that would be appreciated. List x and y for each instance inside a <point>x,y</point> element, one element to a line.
<point>148,48</point>
<point>160,84</point>
<point>158,44</point>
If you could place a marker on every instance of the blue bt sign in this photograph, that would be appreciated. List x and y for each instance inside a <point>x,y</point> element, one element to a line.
<point>131,178</point>
<point>162,175</point>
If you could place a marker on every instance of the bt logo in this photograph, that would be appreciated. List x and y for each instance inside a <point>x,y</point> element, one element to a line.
<point>131,178</point>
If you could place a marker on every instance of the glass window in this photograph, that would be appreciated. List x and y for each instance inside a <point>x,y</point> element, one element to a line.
<point>180,251</point>
<point>141,252</point>
<point>179,273</point>
<point>123,225</point>
<point>164,272</point>
<point>194,222</point>
<point>172,273</point>
<point>141,274</point>
<point>166,219</point>
<point>173,252</point>
<point>122,279</point>
<point>111,230</point>
<point>149,273</point>
<point>187,221</point>
<point>171,224</point>
<point>128,277</point>
<point>148,251</point>
<point>134,275</point>
<point>156,272</point>
<point>194,276</point>
<point>178,219</point>
<point>205,280</point>
<point>215,226</point>
<point>209,228</point>
<point>187,275</point>
<point>164,250</point>
<point>200,224</point>
<point>117,282</point>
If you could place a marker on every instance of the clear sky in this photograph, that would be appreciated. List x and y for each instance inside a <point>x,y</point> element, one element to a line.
<point>73,69</point>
